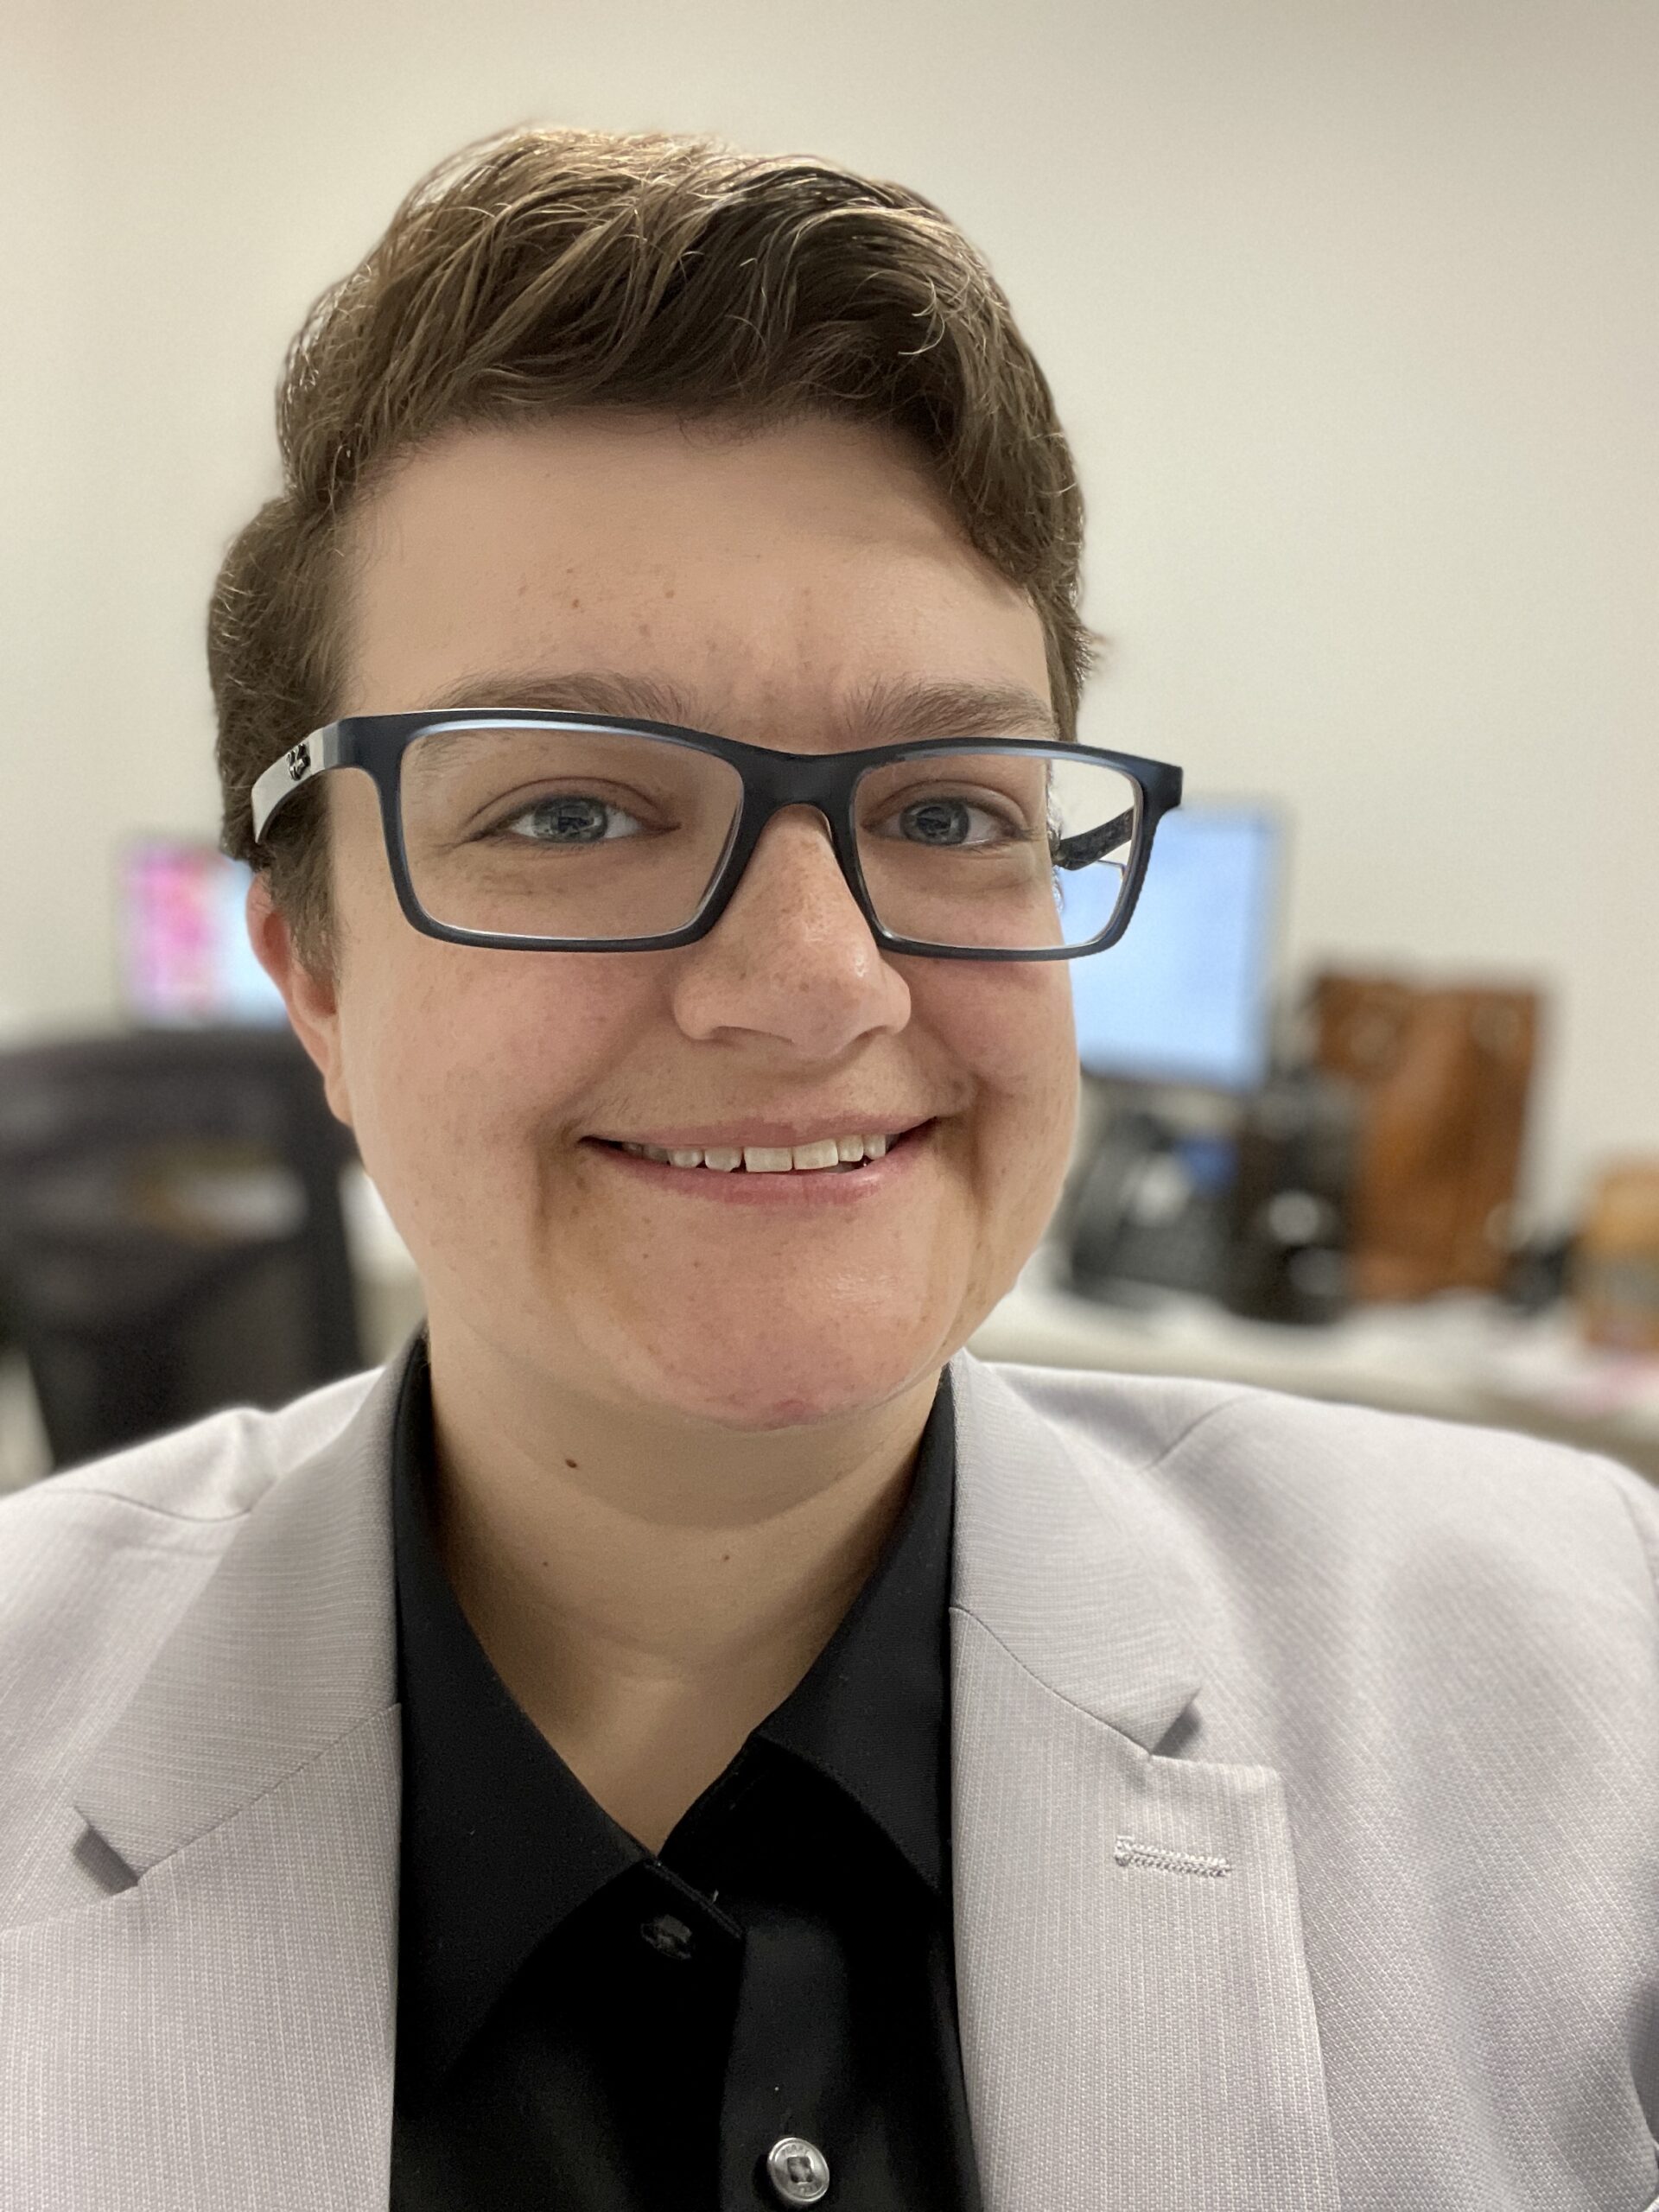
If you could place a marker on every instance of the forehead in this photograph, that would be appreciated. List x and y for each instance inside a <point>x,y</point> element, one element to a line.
<point>784,571</point>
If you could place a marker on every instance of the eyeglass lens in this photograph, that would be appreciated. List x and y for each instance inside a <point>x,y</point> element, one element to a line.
<point>572,834</point>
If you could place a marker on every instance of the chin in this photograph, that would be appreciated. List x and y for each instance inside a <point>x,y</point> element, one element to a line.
<point>793,1387</point>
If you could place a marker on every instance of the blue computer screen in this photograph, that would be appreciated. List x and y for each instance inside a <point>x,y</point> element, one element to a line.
<point>1186,996</point>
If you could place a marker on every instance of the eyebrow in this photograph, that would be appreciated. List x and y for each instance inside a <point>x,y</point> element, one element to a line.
<point>884,712</point>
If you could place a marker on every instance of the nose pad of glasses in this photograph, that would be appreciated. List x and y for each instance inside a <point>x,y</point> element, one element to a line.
<point>799,861</point>
<point>794,820</point>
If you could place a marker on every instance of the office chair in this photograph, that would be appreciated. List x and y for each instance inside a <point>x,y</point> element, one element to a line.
<point>171,1234</point>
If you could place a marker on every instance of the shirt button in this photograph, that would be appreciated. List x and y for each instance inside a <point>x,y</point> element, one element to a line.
<point>797,2170</point>
<point>669,1936</point>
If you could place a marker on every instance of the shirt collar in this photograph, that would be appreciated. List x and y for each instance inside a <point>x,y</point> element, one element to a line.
<point>501,1842</point>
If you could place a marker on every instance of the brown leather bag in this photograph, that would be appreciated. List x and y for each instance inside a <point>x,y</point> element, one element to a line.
<point>1443,1076</point>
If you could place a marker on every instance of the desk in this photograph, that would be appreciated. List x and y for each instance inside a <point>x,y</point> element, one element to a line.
<point>1455,1358</point>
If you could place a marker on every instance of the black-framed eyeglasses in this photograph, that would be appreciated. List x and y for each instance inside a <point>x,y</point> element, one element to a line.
<point>541,831</point>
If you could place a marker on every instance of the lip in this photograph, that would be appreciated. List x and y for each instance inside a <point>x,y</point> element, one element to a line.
<point>809,1187</point>
<point>776,1133</point>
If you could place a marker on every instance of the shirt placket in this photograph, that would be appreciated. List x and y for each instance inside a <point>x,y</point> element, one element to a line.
<point>785,2115</point>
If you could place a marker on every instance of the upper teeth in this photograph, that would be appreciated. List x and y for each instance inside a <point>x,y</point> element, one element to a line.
<point>765,1159</point>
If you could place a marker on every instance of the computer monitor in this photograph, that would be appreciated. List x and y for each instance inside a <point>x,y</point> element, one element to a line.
<point>1186,997</point>
<point>185,961</point>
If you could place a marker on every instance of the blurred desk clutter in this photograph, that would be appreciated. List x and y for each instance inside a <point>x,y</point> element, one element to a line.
<point>1616,1275</point>
<point>1324,1203</point>
<point>1327,1201</point>
<point>1441,1077</point>
<point>172,1236</point>
<point>1459,1357</point>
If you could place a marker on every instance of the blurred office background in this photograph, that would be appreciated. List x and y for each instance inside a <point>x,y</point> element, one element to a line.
<point>1352,313</point>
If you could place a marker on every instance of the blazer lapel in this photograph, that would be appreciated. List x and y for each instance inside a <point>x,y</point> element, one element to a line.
<point>220,2026</point>
<point>1137,2024</point>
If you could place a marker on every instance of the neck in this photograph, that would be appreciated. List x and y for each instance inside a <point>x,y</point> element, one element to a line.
<point>650,1593</point>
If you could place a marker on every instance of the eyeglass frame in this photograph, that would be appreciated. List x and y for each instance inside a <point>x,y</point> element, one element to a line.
<point>377,744</point>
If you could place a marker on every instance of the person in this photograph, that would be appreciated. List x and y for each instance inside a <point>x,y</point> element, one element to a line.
<point>686,1733</point>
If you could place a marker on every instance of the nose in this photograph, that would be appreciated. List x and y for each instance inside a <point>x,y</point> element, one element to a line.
<point>792,956</point>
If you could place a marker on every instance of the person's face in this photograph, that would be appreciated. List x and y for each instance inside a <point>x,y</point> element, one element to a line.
<point>783,588</point>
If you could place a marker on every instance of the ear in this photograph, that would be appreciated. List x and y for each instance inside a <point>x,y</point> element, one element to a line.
<point>311,998</point>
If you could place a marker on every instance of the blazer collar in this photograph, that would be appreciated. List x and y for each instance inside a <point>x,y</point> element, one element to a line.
<point>289,1646</point>
<point>1071,1569</point>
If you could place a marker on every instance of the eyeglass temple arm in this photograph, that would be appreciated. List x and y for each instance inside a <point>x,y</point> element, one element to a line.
<point>322,749</point>
<point>1094,844</point>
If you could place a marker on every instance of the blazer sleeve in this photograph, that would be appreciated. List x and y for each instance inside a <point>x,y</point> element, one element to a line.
<point>1642,1502</point>
<point>1642,1499</point>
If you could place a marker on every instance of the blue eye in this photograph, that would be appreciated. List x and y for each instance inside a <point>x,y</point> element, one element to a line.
<point>569,818</point>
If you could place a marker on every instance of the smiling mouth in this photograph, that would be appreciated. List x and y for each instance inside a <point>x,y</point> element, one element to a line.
<point>767,1160</point>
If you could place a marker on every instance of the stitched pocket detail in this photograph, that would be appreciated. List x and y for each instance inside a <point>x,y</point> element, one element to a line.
<point>1125,1851</point>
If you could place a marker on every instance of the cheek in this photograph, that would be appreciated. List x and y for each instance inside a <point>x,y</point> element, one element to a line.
<point>1010,1027</point>
<point>457,1056</point>
<point>1008,1023</point>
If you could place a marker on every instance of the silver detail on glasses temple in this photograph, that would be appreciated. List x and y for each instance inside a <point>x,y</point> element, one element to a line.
<point>295,766</point>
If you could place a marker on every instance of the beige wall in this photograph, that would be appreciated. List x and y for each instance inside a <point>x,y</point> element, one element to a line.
<point>1350,309</point>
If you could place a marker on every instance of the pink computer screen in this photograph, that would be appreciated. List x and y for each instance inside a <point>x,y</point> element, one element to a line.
<point>185,955</point>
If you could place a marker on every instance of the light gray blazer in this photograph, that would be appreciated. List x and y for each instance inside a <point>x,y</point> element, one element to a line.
<point>1307,1811</point>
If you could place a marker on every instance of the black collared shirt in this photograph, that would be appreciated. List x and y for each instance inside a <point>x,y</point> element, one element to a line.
<point>584,2027</point>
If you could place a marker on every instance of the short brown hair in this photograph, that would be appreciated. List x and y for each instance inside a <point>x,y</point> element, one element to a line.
<point>546,269</point>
